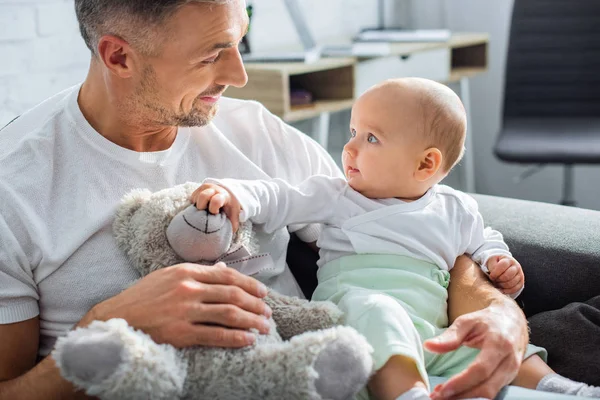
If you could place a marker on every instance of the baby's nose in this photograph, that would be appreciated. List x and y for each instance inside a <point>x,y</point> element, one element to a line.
<point>350,150</point>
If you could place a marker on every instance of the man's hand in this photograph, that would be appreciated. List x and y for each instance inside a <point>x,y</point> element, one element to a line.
<point>190,304</point>
<point>214,197</point>
<point>506,273</point>
<point>498,332</point>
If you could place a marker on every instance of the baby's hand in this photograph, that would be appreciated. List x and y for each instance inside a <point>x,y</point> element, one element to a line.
<point>506,273</point>
<point>214,197</point>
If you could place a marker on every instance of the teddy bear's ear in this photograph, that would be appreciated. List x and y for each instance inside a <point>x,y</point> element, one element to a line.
<point>129,205</point>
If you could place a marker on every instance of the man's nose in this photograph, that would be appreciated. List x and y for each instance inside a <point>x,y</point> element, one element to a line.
<point>231,70</point>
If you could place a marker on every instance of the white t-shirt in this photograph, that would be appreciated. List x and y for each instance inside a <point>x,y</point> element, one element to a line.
<point>438,227</point>
<point>61,181</point>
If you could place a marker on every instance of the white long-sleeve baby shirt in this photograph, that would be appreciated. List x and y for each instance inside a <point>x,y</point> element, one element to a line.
<point>441,225</point>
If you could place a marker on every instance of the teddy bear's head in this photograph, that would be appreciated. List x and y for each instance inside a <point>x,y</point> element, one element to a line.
<point>160,229</point>
<point>197,235</point>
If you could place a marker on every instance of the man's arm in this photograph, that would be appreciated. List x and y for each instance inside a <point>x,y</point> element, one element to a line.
<point>470,290</point>
<point>184,305</point>
<point>483,318</point>
<point>20,377</point>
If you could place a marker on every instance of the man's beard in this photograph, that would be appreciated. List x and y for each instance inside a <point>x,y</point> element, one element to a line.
<point>148,98</point>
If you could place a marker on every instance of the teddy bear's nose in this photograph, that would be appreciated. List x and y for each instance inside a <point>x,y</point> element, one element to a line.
<point>203,220</point>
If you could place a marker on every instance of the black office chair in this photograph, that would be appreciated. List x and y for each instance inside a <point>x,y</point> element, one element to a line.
<point>552,93</point>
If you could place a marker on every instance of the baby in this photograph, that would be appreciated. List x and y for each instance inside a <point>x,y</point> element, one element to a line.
<point>391,233</point>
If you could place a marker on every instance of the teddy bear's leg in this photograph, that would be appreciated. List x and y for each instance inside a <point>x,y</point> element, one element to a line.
<point>330,364</point>
<point>111,360</point>
<point>344,366</point>
<point>333,364</point>
<point>295,316</point>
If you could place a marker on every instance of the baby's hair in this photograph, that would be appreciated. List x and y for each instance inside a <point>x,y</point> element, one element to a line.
<point>444,121</point>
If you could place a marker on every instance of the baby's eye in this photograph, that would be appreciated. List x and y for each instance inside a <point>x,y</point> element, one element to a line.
<point>372,139</point>
<point>352,132</point>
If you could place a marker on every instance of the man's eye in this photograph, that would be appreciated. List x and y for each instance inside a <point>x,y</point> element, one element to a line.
<point>372,139</point>
<point>352,132</point>
<point>212,60</point>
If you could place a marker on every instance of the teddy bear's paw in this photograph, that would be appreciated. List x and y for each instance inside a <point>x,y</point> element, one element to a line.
<point>344,365</point>
<point>295,316</point>
<point>89,356</point>
<point>111,360</point>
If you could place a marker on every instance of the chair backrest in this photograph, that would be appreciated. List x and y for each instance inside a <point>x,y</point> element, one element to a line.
<point>553,62</point>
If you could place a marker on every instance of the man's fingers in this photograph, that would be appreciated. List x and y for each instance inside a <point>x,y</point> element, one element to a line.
<point>215,336</point>
<point>451,339</point>
<point>226,276</point>
<point>221,294</point>
<point>489,388</point>
<point>475,375</point>
<point>229,316</point>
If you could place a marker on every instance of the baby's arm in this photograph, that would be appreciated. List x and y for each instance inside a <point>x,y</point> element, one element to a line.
<point>276,204</point>
<point>487,247</point>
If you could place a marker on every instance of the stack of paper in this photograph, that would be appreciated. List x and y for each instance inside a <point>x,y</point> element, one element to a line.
<point>381,42</point>
<point>404,35</point>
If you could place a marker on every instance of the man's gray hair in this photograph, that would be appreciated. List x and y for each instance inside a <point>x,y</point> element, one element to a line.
<point>131,20</point>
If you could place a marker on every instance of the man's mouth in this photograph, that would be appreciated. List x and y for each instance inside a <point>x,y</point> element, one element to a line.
<point>211,99</point>
<point>212,96</point>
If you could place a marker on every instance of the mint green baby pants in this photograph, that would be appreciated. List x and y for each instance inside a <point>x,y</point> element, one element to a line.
<point>397,303</point>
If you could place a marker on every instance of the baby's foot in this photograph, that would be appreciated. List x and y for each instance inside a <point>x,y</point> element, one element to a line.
<point>559,384</point>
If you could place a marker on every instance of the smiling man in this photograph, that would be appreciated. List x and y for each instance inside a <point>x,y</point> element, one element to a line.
<point>150,115</point>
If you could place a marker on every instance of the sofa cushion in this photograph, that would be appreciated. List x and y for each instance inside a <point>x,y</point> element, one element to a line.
<point>558,247</point>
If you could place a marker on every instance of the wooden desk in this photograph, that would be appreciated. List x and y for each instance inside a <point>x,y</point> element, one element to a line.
<point>336,82</point>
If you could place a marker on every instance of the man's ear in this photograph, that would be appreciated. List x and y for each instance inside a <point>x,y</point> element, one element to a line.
<point>430,163</point>
<point>117,55</point>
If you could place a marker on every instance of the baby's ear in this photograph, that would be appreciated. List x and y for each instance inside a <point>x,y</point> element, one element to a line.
<point>429,164</point>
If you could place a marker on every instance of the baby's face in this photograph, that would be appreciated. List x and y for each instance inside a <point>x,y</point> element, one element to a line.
<point>384,148</point>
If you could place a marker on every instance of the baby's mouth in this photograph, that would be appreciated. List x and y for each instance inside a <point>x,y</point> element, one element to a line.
<point>351,170</point>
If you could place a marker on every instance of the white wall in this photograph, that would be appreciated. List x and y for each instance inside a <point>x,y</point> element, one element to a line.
<point>40,53</point>
<point>494,177</point>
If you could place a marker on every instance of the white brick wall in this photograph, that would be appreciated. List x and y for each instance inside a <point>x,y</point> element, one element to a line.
<point>41,51</point>
<point>272,27</point>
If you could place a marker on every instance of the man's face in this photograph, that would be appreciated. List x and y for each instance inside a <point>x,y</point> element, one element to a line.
<point>198,60</point>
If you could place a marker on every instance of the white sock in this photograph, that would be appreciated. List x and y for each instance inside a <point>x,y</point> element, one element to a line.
<point>559,384</point>
<point>416,393</point>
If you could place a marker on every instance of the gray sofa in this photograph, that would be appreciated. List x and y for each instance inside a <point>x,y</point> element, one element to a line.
<point>559,249</point>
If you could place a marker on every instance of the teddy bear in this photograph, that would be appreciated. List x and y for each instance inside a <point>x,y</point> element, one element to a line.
<point>306,355</point>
